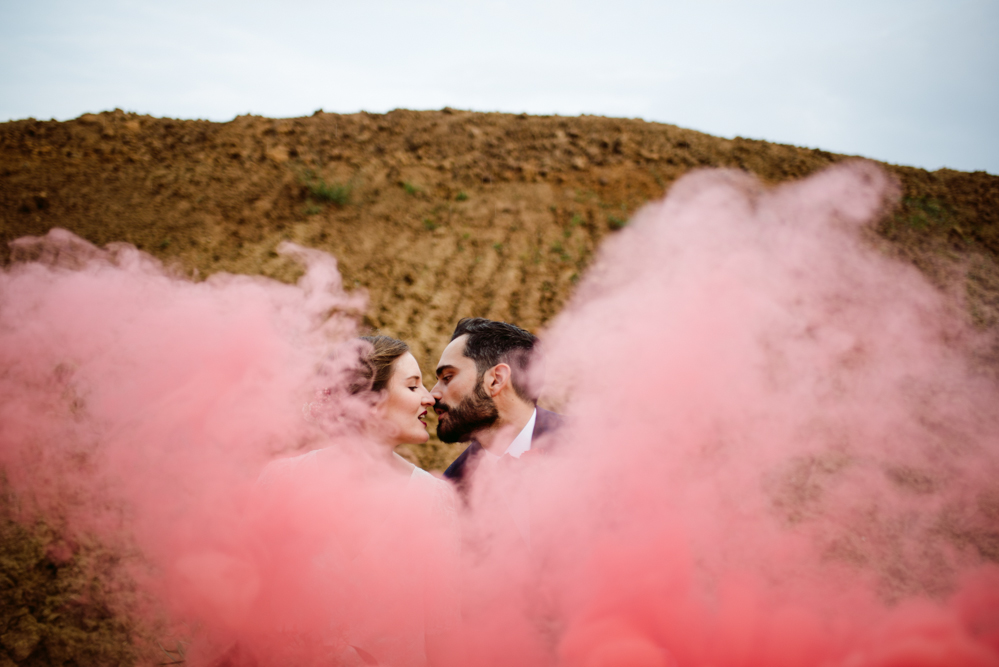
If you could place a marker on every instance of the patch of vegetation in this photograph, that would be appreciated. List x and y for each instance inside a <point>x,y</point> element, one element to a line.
<point>925,213</point>
<point>429,224</point>
<point>660,181</point>
<point>616,223</point>
<point>325,193</point>
<point>312,208</point>
<point>461,196</point>
<point>411,188</point>
<point>333,193</point>
<point>498,247</point>
<point>920,219</point>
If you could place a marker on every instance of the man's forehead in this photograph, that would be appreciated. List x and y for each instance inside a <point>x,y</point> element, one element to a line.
<point>454,353</point>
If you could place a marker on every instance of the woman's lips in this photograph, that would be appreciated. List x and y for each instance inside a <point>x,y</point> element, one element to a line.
<point>423,417</point>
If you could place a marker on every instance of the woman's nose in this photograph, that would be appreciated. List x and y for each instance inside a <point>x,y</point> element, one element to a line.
<point>427,399</point>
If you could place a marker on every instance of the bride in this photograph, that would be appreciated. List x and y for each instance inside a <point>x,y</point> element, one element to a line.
<point>384,559</point>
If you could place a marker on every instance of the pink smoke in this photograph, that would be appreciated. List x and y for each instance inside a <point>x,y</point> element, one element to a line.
<point>778,453</point>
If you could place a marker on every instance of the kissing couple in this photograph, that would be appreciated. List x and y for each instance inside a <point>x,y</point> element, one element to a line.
<point>483,394</point>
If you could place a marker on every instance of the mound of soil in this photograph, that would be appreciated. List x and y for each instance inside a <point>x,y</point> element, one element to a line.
<point>437,214</point>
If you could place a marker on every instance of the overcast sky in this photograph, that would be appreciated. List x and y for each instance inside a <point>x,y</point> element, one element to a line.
<point>907,81</point>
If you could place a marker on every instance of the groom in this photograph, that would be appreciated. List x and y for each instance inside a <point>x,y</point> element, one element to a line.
<point>483,395</point>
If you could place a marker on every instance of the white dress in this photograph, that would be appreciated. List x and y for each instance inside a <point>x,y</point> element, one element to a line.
<point>390,576</point>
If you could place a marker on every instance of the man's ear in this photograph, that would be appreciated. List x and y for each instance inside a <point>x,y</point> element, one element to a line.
<point>496,378</point>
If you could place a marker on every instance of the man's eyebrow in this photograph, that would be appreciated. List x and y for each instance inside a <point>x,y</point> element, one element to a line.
<point>445,367</point>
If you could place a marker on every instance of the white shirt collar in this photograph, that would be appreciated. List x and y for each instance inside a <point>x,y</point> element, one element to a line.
<point>520,444</point>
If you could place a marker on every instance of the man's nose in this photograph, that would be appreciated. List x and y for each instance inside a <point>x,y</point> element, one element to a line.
<point>436,392</point>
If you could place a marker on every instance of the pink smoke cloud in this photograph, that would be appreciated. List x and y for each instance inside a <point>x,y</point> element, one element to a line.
<point>778,453</point>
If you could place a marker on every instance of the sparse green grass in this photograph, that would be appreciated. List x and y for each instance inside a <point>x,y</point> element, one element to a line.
<point>461,196</point>
<point>411,188</point>
<point>560,250</point>
<point>429,224</point>
<point>660,181</point>
<point>616,223</point>
<point>332,193</point>
<point>321,192</point>
<point>498,247</point>
<point>925,212</point>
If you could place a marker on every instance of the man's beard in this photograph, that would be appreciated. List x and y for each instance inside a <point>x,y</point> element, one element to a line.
<point>475,412</point>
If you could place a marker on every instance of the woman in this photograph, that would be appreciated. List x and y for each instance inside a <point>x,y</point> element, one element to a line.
<point>389,373</point>
<point>379,400</point>
<point>381,546</point>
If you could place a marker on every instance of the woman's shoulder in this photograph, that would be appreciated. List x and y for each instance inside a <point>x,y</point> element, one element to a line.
<point>279,468</point>
<point>421,476</point>
<point>440,491</point>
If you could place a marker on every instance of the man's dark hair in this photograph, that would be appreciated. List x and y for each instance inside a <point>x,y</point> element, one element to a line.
<point>490,343</point>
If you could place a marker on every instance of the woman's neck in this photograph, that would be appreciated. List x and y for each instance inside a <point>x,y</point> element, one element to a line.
<point>396,462</point>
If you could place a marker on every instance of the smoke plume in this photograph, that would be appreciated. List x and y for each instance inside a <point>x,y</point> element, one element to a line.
<point>777,452</point>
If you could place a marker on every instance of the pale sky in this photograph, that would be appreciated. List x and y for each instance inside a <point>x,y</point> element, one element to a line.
<point>906,81</point>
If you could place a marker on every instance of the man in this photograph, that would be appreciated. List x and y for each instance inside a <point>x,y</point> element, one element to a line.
<point>483,394</point>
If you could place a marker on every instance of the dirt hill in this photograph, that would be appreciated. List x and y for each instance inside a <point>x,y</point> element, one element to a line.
<point>437,214</point>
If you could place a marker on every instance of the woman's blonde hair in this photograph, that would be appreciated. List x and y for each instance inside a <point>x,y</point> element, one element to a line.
<point>376,362</point>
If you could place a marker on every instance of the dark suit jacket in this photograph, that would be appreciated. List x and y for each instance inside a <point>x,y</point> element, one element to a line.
<point>545,422</point>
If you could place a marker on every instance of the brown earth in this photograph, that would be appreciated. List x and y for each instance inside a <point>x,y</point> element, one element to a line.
<point>438,215</point>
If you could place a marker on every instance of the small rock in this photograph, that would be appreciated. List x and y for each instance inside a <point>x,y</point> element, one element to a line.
<point>278,154</point>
